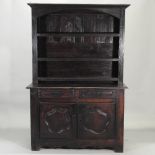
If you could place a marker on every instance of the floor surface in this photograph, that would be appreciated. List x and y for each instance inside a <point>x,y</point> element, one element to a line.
<point>17,141</point>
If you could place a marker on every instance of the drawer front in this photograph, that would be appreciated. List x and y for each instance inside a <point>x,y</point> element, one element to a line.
<point>95,93</point>
<point>56,93</point>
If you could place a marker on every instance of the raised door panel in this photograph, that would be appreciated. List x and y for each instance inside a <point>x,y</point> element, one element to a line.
<point>96,120</point>
<point>57,121</point>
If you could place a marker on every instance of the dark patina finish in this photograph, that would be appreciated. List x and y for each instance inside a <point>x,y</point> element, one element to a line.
<point>77,93</point>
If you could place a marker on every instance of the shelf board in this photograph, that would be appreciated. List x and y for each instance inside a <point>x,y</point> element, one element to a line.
<point>78,34</point>
<point>104,85</point>
<point>78,59</point>
<point>99,78</point>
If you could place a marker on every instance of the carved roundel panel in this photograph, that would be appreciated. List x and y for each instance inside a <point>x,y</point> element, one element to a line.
<point>56,121</point>
<point>99,117</point>
<point>96,121</point>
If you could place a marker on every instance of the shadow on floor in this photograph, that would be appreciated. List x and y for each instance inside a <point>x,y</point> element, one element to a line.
<point>20,138</point>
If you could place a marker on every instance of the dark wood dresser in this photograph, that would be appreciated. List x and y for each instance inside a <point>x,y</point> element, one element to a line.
<point>77,93</point>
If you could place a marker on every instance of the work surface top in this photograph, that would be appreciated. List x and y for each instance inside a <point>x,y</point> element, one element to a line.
<point>84,85</point>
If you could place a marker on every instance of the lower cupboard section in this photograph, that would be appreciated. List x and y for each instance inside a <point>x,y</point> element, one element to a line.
<point>94,121</point>
<point>80,123</point>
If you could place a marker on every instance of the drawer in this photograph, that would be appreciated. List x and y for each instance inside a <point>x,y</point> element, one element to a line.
<point>96,93</point>
<point>56,93</point>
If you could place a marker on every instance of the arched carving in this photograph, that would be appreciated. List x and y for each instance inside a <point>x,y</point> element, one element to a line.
<point>75,22</point>
<point>115,12</point>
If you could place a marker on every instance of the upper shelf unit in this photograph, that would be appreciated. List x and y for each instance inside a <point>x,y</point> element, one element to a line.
<point>78,47</point>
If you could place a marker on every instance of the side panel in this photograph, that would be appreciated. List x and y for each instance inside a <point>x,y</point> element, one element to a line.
<point>119,121</point>
<point>34,107</point>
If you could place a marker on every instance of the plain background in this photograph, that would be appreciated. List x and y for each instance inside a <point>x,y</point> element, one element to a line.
<point>16,71</point>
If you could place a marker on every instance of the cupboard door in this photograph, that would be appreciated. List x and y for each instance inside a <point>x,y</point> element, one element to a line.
<point>96,120</point>
<point>57,121</point>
